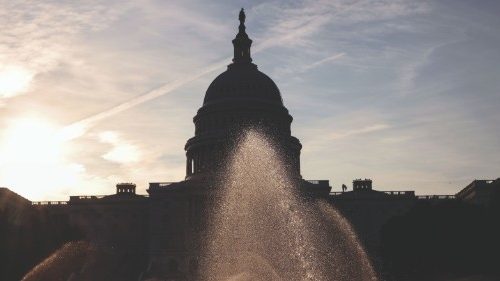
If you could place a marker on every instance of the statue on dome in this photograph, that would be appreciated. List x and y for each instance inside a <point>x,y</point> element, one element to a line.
<point>242,16</point>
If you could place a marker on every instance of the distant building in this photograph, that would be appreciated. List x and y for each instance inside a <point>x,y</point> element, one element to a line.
<point>10,200</point>
<point>480,192</point>
<point>368,210</point>
<point>118,220</point>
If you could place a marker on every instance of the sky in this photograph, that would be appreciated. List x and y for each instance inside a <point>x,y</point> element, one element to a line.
<point>93,93</point>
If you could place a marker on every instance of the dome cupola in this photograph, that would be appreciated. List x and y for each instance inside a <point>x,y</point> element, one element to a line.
<point>242,80</point>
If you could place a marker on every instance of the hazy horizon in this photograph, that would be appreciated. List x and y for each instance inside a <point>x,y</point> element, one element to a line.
<point>405,93</point>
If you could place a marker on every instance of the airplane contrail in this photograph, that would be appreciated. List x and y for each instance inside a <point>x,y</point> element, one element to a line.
<point>78,128</point>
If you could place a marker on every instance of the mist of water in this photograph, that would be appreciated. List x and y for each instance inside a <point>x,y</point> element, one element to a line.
<point>262,228</point>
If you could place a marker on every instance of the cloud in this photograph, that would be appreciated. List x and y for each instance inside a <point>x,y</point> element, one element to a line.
<point>38,35</point>
<point>360,131</point>
<point>34,160</point>
<point>83,125</point>
<point>296,24</point>
<point>300,68</point>
<point>290,26</point>
<point>121,152</point>
<point>14,80</point>
<point>325,60</point>
<point>166,88</point>
<point>379,66</point>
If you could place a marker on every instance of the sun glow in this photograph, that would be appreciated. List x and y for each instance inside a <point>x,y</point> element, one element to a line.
<point>32,159</point>
<point>14,80</point>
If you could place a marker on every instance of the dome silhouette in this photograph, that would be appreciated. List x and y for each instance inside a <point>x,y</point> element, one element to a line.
<point>240,98</point>
<point>243,81</point>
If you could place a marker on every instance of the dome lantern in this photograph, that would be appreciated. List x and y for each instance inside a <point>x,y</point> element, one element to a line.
<point>241,42</point>
<point>242,81</point>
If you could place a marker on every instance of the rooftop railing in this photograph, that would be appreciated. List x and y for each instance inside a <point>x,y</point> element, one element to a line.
<point>392,193</point>
<point>45,203</point>
<point>408,194</point>
<point>320,182</point>
<point>154,185</point>
<point>76,198</point>
<point>85,197</point>
<point>335,193</point>
<point>434,197</point>
<point>400,193</point>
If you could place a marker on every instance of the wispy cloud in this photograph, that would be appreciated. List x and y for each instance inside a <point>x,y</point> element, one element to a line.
<point>373,85</point>
<point>79,128</point>
<point>311,24</point>
<point>301,68</point>
<point>291,26</point>
<point>36,36</point>
<point>360,131</point>
<point>325,60</point>
<point>121,152</point>
<point>14,80</point>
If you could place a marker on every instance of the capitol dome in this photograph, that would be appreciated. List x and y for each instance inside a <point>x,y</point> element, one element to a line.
<point>239,99</point>
<point>242,81</point>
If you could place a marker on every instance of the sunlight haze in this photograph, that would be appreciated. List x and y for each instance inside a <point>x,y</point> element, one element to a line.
<point>99,92</point>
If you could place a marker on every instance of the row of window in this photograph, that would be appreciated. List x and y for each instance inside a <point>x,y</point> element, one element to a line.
<point>227,123</point>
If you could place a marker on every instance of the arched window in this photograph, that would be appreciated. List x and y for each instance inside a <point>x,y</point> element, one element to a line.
<point>188,166</point>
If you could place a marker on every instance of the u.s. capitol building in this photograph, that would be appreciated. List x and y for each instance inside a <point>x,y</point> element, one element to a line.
<point>165,226</point>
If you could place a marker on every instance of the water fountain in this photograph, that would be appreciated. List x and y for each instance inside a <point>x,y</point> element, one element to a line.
<point>261,224</point>
<point>262,228</point>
